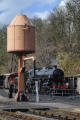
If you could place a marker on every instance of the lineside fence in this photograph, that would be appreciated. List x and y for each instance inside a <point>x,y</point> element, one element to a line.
<point>63,92</point>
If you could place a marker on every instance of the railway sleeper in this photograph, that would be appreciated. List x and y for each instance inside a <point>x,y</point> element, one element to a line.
<point>42,113</point>
<point>1,119</point>
<point>60,115</point>
<point>27,117</point>
<point>67,117</point>
<point>76,114</point>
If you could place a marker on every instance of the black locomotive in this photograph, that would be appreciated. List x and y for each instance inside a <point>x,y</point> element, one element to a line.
<point>48,78</point>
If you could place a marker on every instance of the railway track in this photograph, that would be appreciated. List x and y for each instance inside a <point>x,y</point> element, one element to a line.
<point>40,114</point>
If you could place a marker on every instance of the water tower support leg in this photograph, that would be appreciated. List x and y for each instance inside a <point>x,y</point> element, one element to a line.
<point>20,74</point>
<point>21,96</point>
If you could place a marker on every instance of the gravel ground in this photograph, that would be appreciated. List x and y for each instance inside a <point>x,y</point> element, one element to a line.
<point>3,117</point>
<point>64,102</point>
<point>45,101</point>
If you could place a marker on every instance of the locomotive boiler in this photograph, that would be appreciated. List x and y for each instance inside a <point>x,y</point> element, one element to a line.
<point>48,78</point>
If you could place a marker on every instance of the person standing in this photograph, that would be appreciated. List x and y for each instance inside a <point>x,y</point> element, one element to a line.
<point>11,79</point>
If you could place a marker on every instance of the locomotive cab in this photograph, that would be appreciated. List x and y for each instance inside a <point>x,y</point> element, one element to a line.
<point>58,77</point>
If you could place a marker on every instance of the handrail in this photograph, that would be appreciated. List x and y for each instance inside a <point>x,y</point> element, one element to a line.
<point>63,92</point>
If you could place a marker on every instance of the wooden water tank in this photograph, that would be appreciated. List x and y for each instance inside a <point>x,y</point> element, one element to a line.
<point>20,36</point>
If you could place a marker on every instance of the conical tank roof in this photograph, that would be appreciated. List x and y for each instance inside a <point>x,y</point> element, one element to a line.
<point>20,20</point>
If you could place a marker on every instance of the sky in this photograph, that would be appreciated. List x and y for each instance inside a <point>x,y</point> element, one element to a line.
<point>38,8</point>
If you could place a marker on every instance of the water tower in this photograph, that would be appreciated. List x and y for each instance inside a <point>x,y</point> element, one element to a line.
<point>20,41</point>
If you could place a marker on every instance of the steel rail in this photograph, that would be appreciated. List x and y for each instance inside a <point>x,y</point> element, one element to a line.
<point>37,114</point>
<point>58,114</point>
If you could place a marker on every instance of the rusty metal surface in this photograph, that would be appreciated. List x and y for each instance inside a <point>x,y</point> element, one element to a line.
<point>41,114</point>
<point>20,36</point>
<point>20,20</point>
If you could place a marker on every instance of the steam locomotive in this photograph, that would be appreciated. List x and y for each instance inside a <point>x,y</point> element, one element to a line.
<point>48,78</point>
